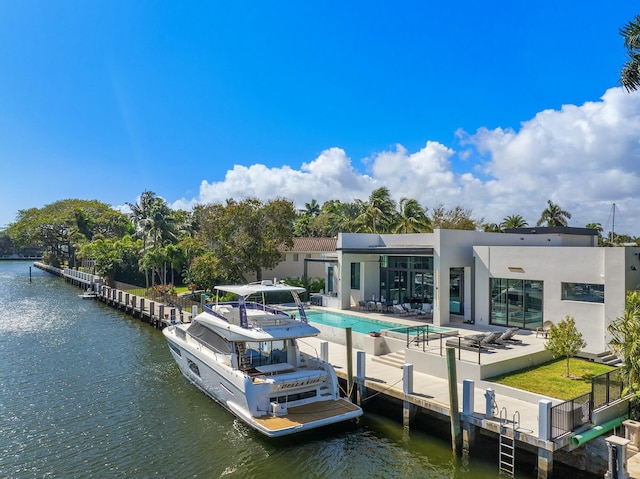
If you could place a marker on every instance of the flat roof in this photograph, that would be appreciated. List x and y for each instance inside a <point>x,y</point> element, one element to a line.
<point>547,230</point>
<point>391,250</point>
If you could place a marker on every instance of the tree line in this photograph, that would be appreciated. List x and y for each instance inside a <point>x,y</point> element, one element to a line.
<point>157,246</point>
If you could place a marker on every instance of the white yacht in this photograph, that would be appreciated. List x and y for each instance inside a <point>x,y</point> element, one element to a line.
<point>244,354</point>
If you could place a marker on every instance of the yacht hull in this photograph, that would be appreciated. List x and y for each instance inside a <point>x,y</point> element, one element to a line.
<point>255,399</point>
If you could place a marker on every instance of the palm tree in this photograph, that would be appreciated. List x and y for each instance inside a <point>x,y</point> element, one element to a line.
<point>630,75</point>
<point>377,213</point>
<point>595,226</point>
<point>553,215</point>
<point>625,342</point>
<point>162,223</point>
<point>598,228</point>
<point>341,217</point>
<point>491,228</point>
<point>513,221</point>
<point>312,208</point>
<point>140,216</point>
<point>411,217</point>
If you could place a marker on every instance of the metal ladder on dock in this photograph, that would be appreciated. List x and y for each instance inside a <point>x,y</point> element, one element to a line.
<point>507,447</point>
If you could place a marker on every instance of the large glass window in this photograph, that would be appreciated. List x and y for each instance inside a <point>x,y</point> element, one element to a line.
<point>590,293</point>
<point>407,279</point>
<point>355,275</point>
<point>516,302</point>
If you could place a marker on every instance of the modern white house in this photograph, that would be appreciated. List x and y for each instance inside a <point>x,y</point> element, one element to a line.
<point>520,278</point>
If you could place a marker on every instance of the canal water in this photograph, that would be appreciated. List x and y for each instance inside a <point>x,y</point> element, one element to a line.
<point>89,392</point>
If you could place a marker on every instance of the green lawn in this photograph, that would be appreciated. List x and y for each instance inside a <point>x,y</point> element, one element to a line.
<point>549,378</point>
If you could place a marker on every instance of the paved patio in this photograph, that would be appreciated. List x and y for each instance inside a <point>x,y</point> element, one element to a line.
<point>433,388</point>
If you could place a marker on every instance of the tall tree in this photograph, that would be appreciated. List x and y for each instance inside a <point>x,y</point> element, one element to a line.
<point>457,218</point>
<point>411,217</point>
<point>553,215</point>
<point>64,226</point>
<point>140,216</point>
<point>625,342</point>
<point>598,228</point>
<point>312,208</point>
<point>376,214</point>
<point>156,225</point>
<point>337,217</point>
<point>115,258</point>
<point>247,235</point>
<point>630,75</point>
<point>513,221</point>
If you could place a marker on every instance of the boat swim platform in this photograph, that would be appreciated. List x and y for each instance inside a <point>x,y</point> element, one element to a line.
<point>307,413</point>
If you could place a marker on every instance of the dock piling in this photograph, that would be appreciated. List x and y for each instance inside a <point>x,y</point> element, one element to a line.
<point>407,388</point>
<point>360,376</point>
<point>324,351</point>
<point>456,436</point>
<point>349,363</point>
<point>468,407</point>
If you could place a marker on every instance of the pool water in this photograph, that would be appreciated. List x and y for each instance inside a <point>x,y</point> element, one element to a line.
<point>358,324</point>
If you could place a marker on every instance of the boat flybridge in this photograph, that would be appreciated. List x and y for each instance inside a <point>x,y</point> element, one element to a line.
<point>244,354</point>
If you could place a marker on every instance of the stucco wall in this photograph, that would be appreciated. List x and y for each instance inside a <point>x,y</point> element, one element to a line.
<point>369,278</point>
<point>554,266</point>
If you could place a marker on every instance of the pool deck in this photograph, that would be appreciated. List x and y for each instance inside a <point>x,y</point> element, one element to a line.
<point>530,343</point>
<point>430,392</point>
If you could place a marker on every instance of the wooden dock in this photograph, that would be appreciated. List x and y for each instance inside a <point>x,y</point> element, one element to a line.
<point>155,313</point>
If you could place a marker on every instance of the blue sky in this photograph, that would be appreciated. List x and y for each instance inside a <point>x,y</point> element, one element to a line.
<point>495,106</point>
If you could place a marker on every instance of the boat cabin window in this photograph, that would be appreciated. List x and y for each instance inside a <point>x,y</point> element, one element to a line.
<point>260,353</point>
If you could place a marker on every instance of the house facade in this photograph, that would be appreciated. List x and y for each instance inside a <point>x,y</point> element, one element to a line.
<point>305,259</point>
<point>520,278</point>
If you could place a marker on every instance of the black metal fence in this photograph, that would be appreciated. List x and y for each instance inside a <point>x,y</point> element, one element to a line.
<point>607,388</point>
<point>570,415</point>
<point>155,294</point>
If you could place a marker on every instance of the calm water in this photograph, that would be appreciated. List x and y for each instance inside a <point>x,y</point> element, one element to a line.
<point>89,392</point>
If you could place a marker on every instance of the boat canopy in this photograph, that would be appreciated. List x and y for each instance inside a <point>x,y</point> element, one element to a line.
<point>207,336</point>
<point>233,332</point>
<point>267,286</point>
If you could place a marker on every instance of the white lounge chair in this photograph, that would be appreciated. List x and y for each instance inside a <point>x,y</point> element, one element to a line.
<point>397,308</point>
<point>426,310</point>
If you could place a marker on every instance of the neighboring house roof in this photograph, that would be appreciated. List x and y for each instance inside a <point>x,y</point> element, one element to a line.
<point>323,245</point>
<point>547,230</point>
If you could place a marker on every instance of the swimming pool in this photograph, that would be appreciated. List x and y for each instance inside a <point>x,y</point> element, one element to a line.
<point>358,324</point>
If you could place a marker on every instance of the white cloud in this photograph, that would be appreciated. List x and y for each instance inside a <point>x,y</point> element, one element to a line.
<point>585,158</point>
<point>330,176</point>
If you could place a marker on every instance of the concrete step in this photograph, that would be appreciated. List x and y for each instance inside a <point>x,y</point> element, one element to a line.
<point>396,359</point>
<point>608,358</point>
